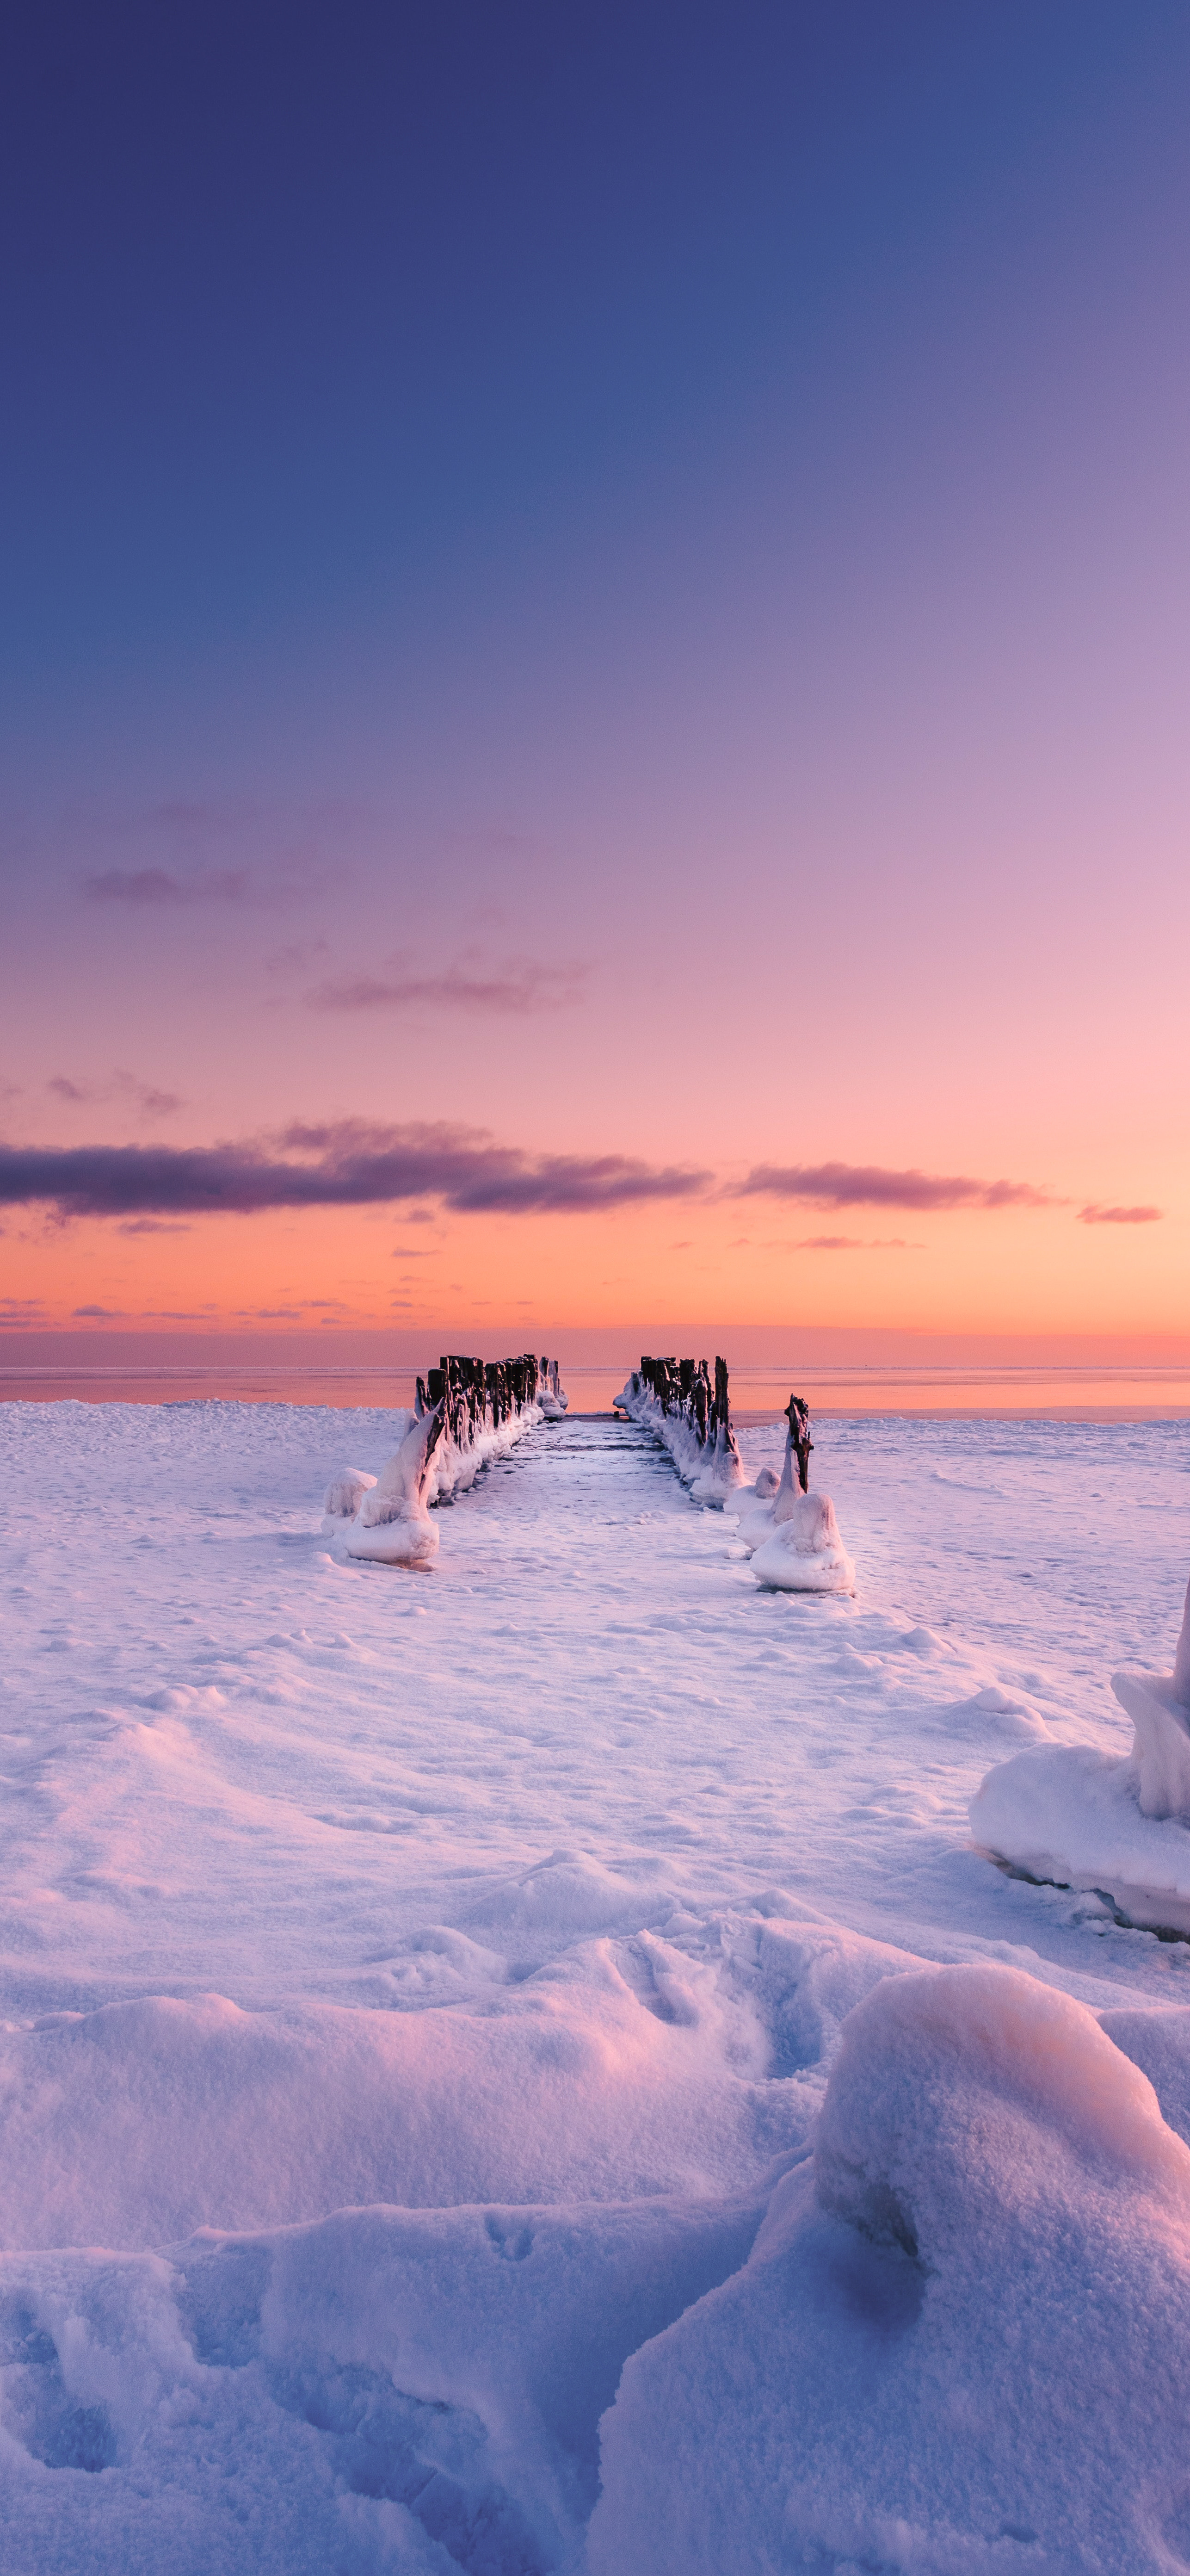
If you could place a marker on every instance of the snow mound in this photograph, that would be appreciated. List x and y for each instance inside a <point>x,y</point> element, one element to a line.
<point>805,1552</point>
<point>1116,1823</point>
<point>996,2224</point>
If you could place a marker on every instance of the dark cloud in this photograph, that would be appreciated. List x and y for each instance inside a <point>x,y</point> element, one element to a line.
<point>517,989</point>
<point>348,1164</point>
<point>162,886</point>
<point>839,1185</point>
<point>1120,1215</point>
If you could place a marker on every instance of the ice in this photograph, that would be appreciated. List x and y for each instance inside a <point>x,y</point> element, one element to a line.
<point>1159,1707</point>
<point>418,2002</point>
<point>343,1496</point>
<point>961,2336</point>
<point>805,1552</point>
<point>552,1397</point>
<point>1093,1820</point>
<point>792,1538</point>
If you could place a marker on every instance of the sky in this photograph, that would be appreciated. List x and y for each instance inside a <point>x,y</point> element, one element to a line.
<point>594,664</point>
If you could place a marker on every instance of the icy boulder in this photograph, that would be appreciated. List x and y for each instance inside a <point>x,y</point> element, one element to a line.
<point>393,1524</point>
<point>805,1552</point>
<point>961,2338</point>
<point>1112,1822</point>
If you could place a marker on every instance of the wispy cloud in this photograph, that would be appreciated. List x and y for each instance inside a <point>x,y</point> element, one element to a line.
<point>854,1243</point>
<point>164,886</point>
<point>516,988</point>
<point>149,1097</point>
<point>1120,1215</point>
<point>839,1185</point>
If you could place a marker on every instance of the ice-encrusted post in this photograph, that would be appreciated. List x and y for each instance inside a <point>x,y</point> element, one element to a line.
<point>797,1415</point>
<point>465,1415</point>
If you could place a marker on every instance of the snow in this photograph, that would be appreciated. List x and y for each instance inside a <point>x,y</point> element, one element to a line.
<point>1088,1819</point>
<point>848,2397</point>
<point>478,2046</point>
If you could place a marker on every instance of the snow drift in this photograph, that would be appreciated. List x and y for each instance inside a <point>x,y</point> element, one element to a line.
<point>1117,1823</point>
<point>961,2338</point>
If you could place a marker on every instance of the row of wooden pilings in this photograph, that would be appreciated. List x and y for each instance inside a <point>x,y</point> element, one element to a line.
<point>477,1395</point>
<point>684,1386</point>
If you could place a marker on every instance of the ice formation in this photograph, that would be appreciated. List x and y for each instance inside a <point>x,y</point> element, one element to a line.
<point>805,1552</point>
<point>674,1399</point>
<point>1116,1823</point>
<point>792,1536</point>
<point>467,1415</point>
<point>392,1525</point>
<point>552,1395</point>
<point>961,2338</point>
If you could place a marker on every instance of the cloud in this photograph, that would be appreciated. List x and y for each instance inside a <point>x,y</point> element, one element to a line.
<point>347,1164</point>
<point>161,886</point>
<point>153,1225</point>
<point>104,1314</point>
<point>839,1185</point>
<point>150,1099</point>
<point>853,1243</point>
<point>1120,1215</point>
<point>518,989</point>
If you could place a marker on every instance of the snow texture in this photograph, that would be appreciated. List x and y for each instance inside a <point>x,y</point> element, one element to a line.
<point>1121,1824</point>
<point>523,2071</point>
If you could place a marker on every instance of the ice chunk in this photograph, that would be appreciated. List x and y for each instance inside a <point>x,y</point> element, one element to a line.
<point>906,2373</point>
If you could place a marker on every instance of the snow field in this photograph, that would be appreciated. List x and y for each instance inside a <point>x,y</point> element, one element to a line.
<point>421,1992</point>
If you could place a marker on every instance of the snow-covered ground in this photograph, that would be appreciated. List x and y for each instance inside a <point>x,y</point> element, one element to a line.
<point>421,1990</point>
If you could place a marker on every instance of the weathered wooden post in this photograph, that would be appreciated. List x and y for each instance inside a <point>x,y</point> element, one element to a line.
<point>797,1414</point>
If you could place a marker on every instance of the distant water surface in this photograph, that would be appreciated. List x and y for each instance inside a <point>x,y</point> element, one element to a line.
<point>1102,1395</point>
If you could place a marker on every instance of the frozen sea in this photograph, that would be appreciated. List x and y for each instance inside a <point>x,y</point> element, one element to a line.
<point>420,1992</point>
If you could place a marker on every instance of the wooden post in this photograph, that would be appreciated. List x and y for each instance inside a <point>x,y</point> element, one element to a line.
<point>797,1414</point>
